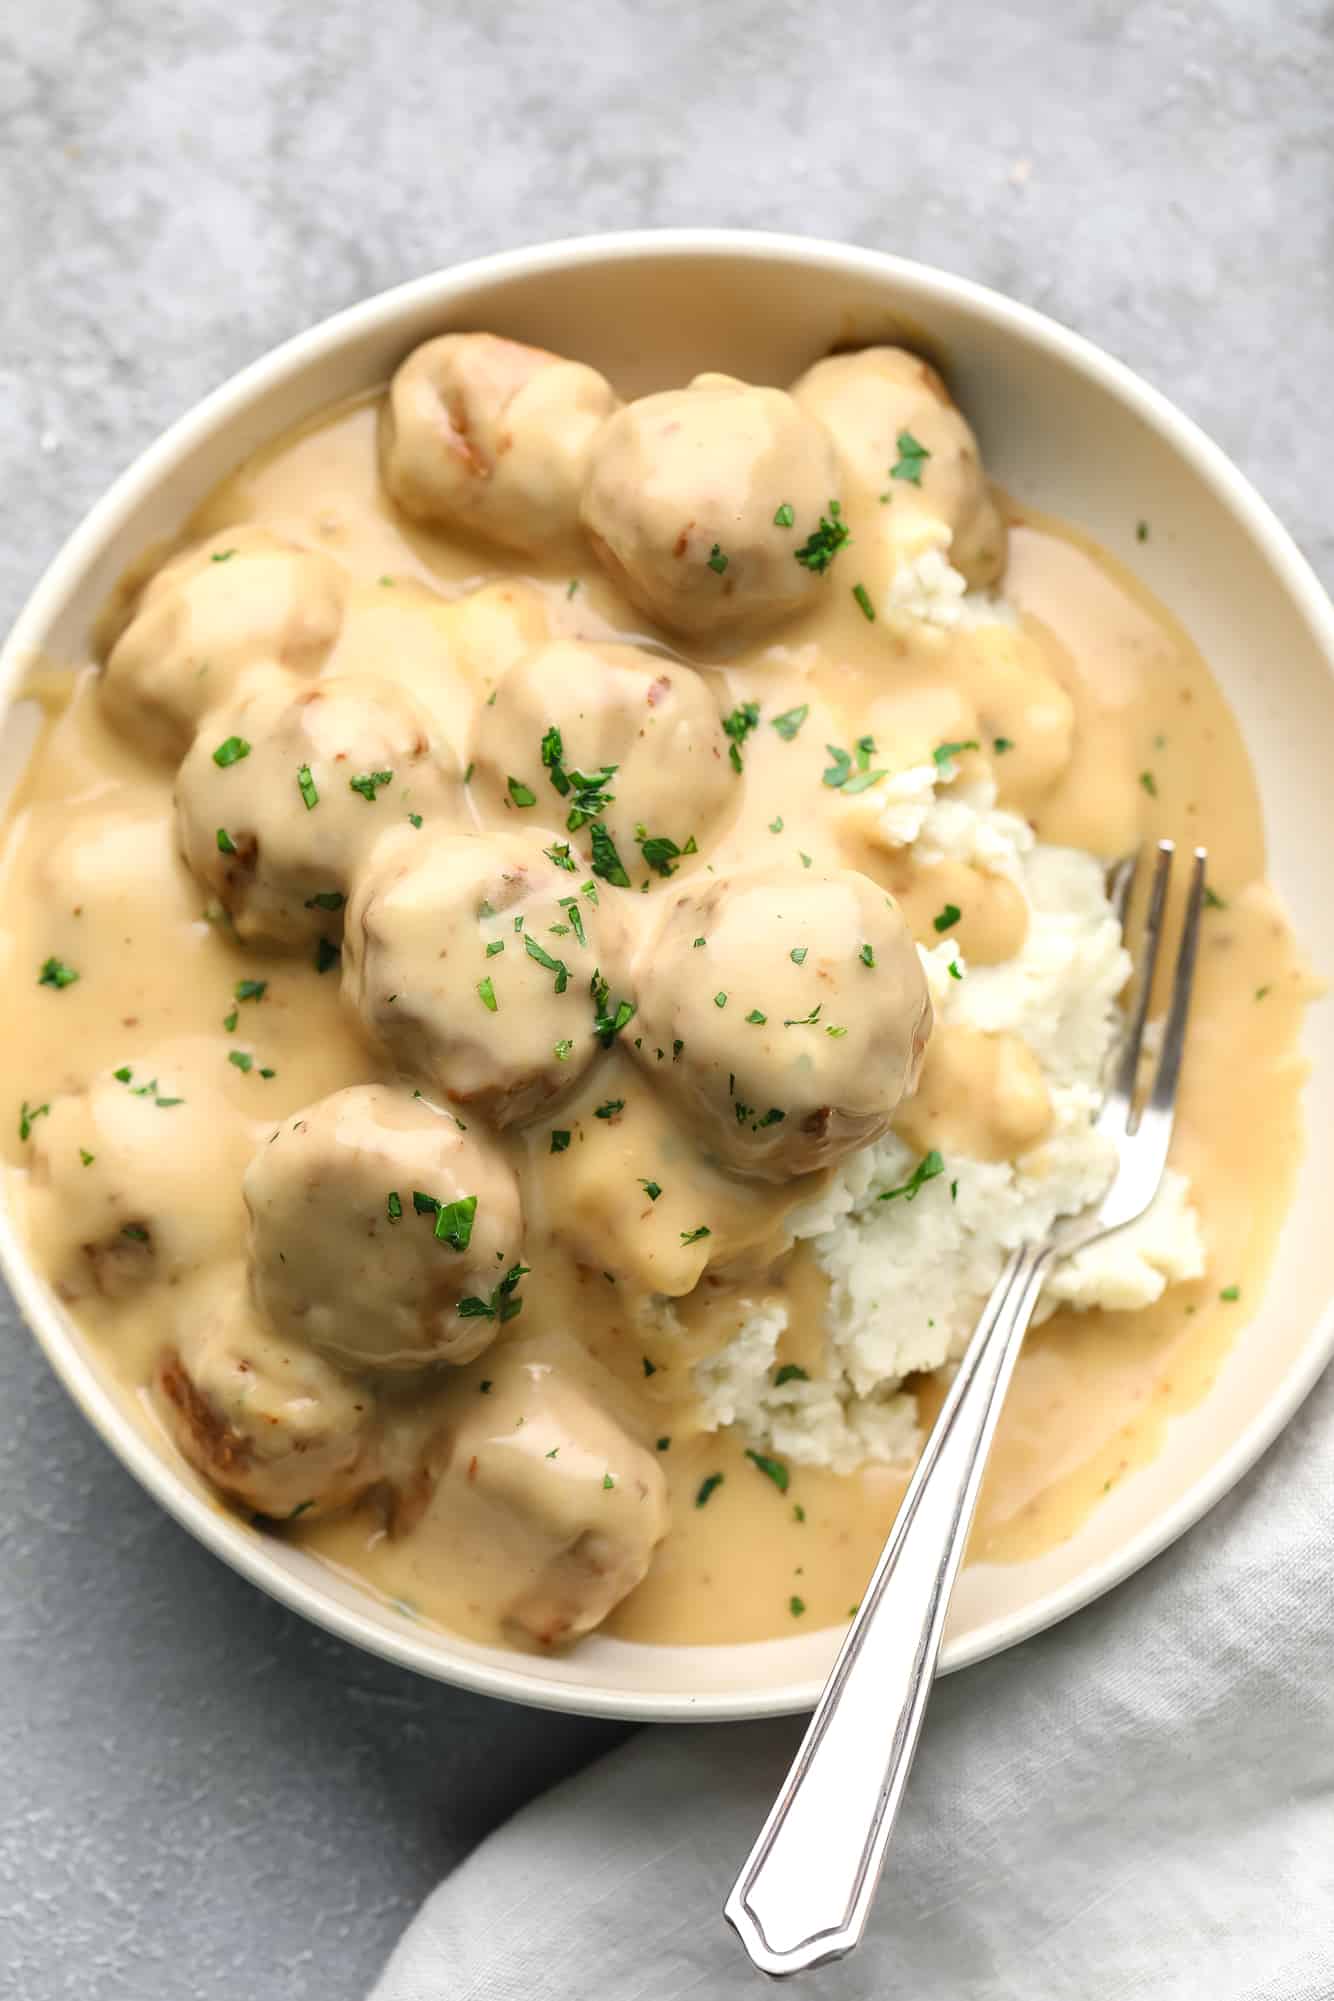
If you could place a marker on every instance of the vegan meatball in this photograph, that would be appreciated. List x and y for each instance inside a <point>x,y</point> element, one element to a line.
<point>492,437</point>
<point>796,1008</point>
<point>713,507</point>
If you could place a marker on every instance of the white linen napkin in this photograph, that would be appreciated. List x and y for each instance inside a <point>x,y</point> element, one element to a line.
<point>1138,1803</point>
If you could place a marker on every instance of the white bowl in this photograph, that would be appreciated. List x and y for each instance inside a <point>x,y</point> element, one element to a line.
<point>1061,425</point>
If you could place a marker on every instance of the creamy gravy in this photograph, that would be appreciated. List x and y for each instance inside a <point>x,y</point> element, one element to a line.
<point>93,880</point>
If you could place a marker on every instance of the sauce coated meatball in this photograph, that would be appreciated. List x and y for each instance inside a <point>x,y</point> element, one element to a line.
<point>492,437</point>
<point>282,797</point>
<point>648,729</point>
<point>576,1507</point>
<point>134,1180</point>
<point>800,1009</point>
<point>267,1422</point>
<point>699,500</point>
<point>869,403</point>
<point>241,601</point>
<point>382,1234</point>
<point>472,959</point>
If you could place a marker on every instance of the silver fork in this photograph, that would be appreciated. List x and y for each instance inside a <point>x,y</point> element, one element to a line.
<point>806,1890</point>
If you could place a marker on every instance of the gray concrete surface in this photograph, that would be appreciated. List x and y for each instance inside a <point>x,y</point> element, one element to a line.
<point>200,1796</point>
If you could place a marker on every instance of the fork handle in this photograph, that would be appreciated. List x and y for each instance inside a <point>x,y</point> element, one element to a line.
<point>805,1893</point>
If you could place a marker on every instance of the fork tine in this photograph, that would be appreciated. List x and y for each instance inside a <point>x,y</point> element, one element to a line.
<point>1122,1092</point>
<point>1162,1097</point>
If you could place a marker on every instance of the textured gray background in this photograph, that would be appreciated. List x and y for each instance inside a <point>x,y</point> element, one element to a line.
<point>202,1797</point>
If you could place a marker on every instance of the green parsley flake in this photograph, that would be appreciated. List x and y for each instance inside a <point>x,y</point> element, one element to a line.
<point>545,960</point>
<point>1212,900</point>
<point>521,794</point>
<point>610,1108</point>
<point>415,818</point>
<point>720,1000</point>
<point>607,1482</point>
<point>572,587</point>
<point>486,993</point>
<point>327,956</point>
<point>651,1188</point>
<point>1141,531</point>
<point>251,990</point>
<point>502,1304</point>
<point>559,1141</point>
<point>821,546</point>
<point>926,1170</point>
<point>394,1206</point>
<point>1001,744</point>
<point>86,1157</point>
<point>805,1020</point>
<point>226,845</point>
<point>1231,1293</point>
<point>650,1368</point>
<point>1150,783</point>
<point>696,1235</point>
<point>326,899</point>
<point>222,555</point>
<point>945,753</point>
<point>790,721</point>
<point>562,1050</point>
<point>717,560</point>
<point>306,786</point>
<point>231,751</point>
<point>55,973</point>
<point>738,726</point>
<point>27,1114</point>
<point>757,1019</point>
<point>708,1486</point>
<point>798,954</point>
<point>867,955</point>
<point>796,1606</point>
<point>559,853</point>
<point>241,1059</point>
<point>784,518</point>
<point>947,918</point>
<point>664,1444</point>
<point>606,861</point>
<point>863,597</point>
<point>789,1373</point>
<point>912,457</point>
<point>369,783</point>
<point>776,826</point>
<point>453,1222</point>
<point>772,1469</point>
<point>497,945</point>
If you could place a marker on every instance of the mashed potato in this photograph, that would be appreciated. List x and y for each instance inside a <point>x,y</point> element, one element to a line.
<point>909,1277</point>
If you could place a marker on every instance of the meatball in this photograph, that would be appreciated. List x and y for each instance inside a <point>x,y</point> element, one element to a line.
<point>133,1180</point>
<point>282,797</point>
<point>701,501</point>
<point>267,1422</point>
<point>1026,719</point>
<point>382,1232</point>
<point>797,1011</point>
<point>879,406</point>
<point>577,1506</point>
<point>643,732</point>
<point>483,968</point>
<point>241,602</point>
<point>492,438</point>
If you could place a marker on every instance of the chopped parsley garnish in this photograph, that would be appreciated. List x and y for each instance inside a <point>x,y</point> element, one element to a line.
<point>756,1019</point>
<point>946,919</point>
<point>798,954</point>
<point>369,783</point>
<point>27,1114</point>
<point>86,1157</point>
<point>571,587</point>
<point>607,1482</point>
<point>867,955</point>
<point>326,899</point>
<point>720,999</point>
<point>521,794</point>
<point>776,826</point>
<point>326,956</point>
<point>650,1368</point>
<point>717,560</point>
<point>606,861</point>
<point>835,1032</point>
<point>589,789</point>
<point>1150,783</point>
<point>927,1168</point>
<point>1212,900</point>
<point>472,766</point>
<point>954,970</point>
<point>226,845</point>
<point>608,1021</point>
<point>798,1512</point>
<point>863,597</point>
<point>453,1222</point>
<point>1000,744</point>
<point>805,1020</point>
<point>306,786</point>
<point>784,518</point>
<point>790,721</point>
<point>263,1073</point>
<point>570,905</point>
<point>248,990</point>
<point>222,555</point>
<point>609,1108</point>
<point>231,751</point>
<point>1260,992</point>
<point>805,859</point>
<point>662,853</point>
<point>796,1606</point>
<point>55,973</point>
<point>485,1387</point>
<point>773,1117</point>
<point>559,853</point>
<point>486,994</point>
<point>707,1487</point>
<point>912,456</point>
<point>415,818</point>
<point>394,1206</point>
<point>559,1141</point>
<point>496,946</point>
<point>738,726</point>
<point>425,1205</point>
<point>502,1304</point>
<point>545,960</point>
<point>696,1235</point>
<point>772,1469</point>
<point>1231,1293</point>
<point>651,1188</point>
<point>945,753</point>
<point>664,1444</point>
<point>562,1050</point>
<point>1141,531</point>
<point>841,776</point>
<point>241,1058</point>
<point>821,546</point>
<point>123,1075</point>
<point>789,1373</point>
<point>136,1233</point>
